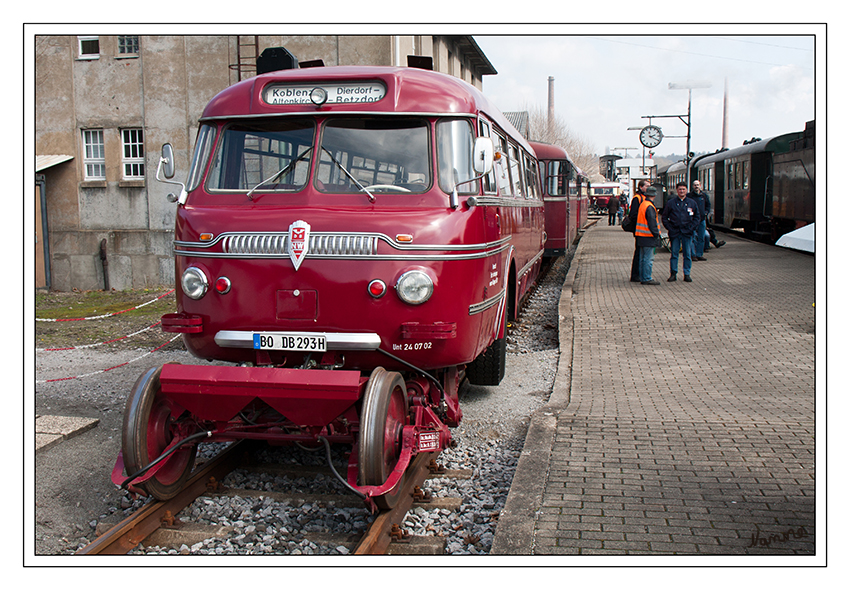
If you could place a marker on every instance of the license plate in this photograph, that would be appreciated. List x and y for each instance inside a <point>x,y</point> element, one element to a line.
<point>295,341</point>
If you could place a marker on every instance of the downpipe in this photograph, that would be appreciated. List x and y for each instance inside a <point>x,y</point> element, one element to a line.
<point>105,261</point>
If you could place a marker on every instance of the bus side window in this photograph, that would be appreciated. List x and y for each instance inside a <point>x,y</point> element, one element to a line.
<point>489,179</point>
<point>516,174</point>
<point>531,177</point>
<point>501,167</point>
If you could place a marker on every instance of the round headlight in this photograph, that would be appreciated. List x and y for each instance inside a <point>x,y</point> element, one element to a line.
<point>194,282</point>
<point>414,287</point>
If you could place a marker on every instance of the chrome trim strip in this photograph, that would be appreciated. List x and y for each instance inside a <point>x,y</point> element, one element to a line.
<point>408,257</point>
<point>320,239</point>
<point>554,199</point>
<point>331,245</point>
<point>477,308</point>
<point>335,340</point>
<point>515,202</point>
<point>531,262</point>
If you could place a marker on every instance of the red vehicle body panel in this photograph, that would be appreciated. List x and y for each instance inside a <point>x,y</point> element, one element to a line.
<point>469,252</point>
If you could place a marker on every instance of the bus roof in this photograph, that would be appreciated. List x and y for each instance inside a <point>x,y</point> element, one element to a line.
<point>548,151</point>
<point>407,91</point>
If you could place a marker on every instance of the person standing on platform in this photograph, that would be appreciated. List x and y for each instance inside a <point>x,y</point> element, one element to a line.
<point>703,202</point>
<point>613,205</point>
<point>647,236</point>
<point>633,213</point>
<point>681,218</point>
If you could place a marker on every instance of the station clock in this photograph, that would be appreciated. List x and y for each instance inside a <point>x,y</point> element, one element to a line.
<point>651,136</point>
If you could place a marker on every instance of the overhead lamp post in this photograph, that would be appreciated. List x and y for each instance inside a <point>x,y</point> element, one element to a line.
<point>689,86</point>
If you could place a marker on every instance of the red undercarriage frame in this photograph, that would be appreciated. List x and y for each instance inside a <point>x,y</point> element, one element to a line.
<point>283,406</point>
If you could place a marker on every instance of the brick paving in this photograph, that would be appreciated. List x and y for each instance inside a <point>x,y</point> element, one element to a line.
<point>689,422</point>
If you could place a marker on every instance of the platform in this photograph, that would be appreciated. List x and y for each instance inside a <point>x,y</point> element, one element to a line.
<point>682,420</point>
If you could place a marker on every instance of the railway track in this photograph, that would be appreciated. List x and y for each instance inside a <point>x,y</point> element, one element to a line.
<point>162,524</point>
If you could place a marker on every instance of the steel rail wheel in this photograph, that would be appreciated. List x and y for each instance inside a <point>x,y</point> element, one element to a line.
<point>383,417</point>
<point>148,430</point>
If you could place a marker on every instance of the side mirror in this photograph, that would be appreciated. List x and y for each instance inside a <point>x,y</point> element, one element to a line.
<point>166,166</point>
<point>482,155</point>
<point>167,161</point>
<point>482,163</point>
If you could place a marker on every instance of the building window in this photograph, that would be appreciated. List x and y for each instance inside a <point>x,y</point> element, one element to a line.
<point>133,144</point>
<point>89,47</point>
<point>94,158</point>
<point>128,45</point>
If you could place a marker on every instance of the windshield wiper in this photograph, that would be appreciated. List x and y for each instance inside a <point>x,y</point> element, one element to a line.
<point>280,173</point>
<point>349,175</point>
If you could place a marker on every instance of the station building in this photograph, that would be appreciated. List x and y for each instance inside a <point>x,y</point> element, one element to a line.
<point>104,105</point>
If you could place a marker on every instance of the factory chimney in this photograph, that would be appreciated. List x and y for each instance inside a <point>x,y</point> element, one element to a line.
<point>551,120</point>
<point>724,141</point>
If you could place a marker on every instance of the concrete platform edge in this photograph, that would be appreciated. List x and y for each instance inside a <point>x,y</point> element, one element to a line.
<point>515,532</point>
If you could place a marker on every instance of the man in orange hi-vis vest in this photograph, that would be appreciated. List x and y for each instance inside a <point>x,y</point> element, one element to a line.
<point>640,194</point>
<point>647,236</point>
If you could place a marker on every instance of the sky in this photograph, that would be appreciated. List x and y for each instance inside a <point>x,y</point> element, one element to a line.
<point>606,83</point>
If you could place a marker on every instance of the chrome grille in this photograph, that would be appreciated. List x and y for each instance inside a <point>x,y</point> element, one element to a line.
<point>321,244</point>
<point>256,244</point>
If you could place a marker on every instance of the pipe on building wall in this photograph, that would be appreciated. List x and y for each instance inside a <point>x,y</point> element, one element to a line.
<point>42,183</point>
<point>105,261</point>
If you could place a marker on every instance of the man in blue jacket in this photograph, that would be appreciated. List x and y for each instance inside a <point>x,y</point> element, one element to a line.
<point>681,218</point>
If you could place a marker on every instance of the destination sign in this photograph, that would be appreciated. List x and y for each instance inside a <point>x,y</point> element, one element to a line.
<point>361,92</point>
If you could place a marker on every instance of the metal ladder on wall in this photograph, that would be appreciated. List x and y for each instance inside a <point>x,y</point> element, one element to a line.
<point>247,51</point>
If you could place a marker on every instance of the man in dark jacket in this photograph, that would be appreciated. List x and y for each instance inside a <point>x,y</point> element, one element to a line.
<point>613,205</point>
<point>681,218</point>
<point>640,194</point>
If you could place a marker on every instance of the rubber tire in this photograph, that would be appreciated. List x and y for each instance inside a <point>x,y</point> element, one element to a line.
<point>145,436</point>
<point>384,414</point>
<point>488,368</point>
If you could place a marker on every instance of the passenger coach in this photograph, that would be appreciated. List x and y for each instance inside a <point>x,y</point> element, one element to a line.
<point>353,240</point>
<point>765,187</point>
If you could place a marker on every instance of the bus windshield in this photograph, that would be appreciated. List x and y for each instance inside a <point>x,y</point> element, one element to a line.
<point>273,155</point>
<point>387,154</point>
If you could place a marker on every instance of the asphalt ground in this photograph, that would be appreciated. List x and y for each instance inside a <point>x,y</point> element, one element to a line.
<point>682,418</point>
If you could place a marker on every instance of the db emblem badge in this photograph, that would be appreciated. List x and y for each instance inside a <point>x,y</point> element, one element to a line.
<point>299,240</point>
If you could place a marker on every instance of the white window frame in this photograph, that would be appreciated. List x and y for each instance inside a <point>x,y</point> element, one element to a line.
<point>94,154</point>
<point>133,153</point>
<point>81,40</point>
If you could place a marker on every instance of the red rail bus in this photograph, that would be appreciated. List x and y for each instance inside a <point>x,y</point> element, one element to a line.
<point>580,190</point>
<point>353,240</point>
<point>601,192</point>
<point>563,206</point>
